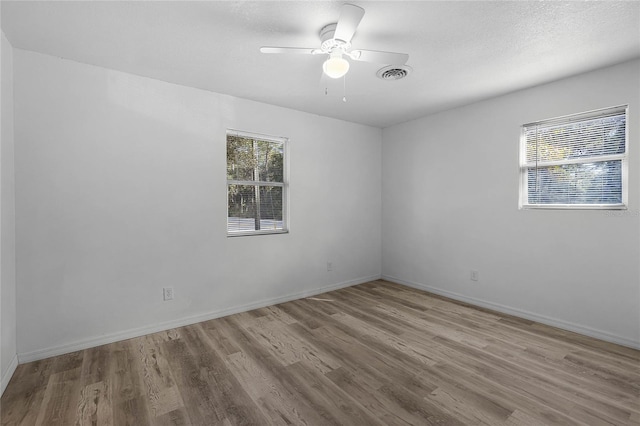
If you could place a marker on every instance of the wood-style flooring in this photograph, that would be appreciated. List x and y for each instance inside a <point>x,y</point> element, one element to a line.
<point>373,354</point>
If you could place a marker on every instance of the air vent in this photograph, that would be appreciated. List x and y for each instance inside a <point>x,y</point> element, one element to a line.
<point>393,72</point>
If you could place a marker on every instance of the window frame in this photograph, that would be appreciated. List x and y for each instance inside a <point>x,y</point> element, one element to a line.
<point>523,201</point>
<point>284,184</point>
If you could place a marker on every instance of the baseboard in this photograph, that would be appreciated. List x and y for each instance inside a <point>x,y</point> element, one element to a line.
<point>554,322</point>
<point>180,322</point>
<point>6,376</point>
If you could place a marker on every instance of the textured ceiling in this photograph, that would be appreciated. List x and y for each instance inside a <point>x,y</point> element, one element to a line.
<point>460,52</point>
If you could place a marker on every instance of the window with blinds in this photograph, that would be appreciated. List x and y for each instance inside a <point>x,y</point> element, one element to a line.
<point>256,184</point>
<point>577,161</point>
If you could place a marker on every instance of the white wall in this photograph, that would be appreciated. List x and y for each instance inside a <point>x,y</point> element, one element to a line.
<point>8,349</point>
<point>450,205</point>
<point>120,187</point>
<point>121,190</point>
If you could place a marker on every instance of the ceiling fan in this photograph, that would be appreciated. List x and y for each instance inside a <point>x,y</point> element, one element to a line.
<point>336,42</point>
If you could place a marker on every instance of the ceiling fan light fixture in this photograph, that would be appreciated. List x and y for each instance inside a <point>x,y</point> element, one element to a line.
<point>336,66</point>
<point>336,42</point>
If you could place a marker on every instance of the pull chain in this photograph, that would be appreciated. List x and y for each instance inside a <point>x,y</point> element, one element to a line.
<point>344,88</point>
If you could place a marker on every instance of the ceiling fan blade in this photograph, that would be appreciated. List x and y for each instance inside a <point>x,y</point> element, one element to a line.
<point>297,50</point>
<point>350,17</point>
<point>389,58</point>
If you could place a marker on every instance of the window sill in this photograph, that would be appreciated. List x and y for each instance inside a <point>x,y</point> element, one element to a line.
<point>573,207</point>
<point>250,233</point>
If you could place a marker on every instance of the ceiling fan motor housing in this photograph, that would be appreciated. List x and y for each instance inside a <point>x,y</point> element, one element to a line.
<point>328,42</point>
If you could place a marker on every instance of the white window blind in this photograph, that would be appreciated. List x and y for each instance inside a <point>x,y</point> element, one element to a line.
<point>256,184</point>
<point>577,161</point>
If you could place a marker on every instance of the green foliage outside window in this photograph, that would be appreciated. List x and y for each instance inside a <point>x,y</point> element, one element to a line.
<point>255,174</point>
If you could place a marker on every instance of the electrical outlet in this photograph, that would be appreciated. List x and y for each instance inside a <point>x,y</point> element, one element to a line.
<point>475,275</point>
<point>167,293</point>
<point>329,266</point>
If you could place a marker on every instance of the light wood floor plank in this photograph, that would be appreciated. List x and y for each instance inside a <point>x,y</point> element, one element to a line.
<point>373,354</point>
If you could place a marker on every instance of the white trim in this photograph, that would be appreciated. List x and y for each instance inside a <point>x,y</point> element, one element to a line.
<point>535,165</point>
<point>625,160</point>
<point>284,141</point>
<point>261,232</point>
<point>580,160</point>
<point>580,116</point>
<point>180,322</point>
<point>254,183</point>
<point>574,206</point>
<point>254,135</point>
<point>554,322</point>
<point>8,374</point>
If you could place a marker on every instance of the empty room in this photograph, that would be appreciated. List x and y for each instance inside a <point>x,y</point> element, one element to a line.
<point>320,213</point>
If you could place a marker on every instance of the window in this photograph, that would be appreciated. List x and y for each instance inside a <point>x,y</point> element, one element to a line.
<point>577,161</point>
<point>256,184</point>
